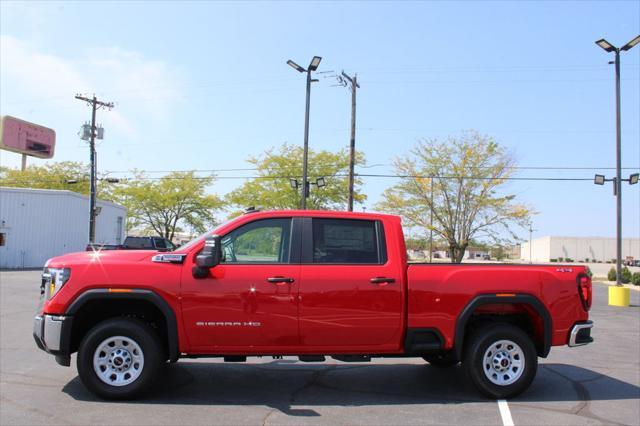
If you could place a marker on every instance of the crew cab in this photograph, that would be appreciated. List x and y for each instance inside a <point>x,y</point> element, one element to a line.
<point>309,284</point>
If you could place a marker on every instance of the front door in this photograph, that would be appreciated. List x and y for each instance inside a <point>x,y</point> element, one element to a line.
<point>250,300</point>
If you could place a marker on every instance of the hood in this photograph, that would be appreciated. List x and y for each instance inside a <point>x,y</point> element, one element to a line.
<point>102,256</point>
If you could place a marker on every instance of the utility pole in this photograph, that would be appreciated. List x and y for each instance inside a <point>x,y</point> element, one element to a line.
<point>95,104</point>
<point>352,82</point>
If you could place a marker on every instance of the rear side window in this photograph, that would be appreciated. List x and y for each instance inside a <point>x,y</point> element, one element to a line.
<point>346,241</point>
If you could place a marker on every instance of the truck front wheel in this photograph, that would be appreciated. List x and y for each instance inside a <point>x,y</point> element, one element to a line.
<point>501,360</point>
<point>119,358</point>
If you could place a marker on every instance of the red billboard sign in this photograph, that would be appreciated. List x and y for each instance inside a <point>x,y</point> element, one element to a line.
<point>26,138</point>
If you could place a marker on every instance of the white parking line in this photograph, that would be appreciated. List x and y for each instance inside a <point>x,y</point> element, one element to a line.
<point>505,413</point>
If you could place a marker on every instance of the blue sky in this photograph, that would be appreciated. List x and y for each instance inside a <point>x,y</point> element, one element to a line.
<point>202,85</point>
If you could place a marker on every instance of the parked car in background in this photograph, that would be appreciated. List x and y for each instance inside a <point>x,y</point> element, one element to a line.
<point>136,243</point>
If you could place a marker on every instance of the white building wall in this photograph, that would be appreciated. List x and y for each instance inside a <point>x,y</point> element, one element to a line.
<point>579,248</point>
<point>539,251</point>
<point>40,224</point>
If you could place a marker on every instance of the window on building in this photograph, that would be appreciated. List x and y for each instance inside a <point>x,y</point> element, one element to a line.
<point>3,239</point>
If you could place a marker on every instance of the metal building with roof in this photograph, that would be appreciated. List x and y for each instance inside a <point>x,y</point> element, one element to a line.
<point>37,224</point>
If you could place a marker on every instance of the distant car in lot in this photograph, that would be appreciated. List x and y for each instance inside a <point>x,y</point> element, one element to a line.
<point>136,243</point>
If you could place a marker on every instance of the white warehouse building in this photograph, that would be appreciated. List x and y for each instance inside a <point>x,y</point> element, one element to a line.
<point>37,224</point>
<point>580,249</point>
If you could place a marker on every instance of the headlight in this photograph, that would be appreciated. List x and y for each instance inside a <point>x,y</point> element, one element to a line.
<point>53,279</point>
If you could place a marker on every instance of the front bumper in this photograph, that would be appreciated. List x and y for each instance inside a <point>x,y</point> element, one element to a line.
<point>52,334</point>
<point>581,334</point>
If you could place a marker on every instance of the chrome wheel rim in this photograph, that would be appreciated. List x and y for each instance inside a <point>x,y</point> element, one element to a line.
<point>503,362</point>
<point>118,361</point>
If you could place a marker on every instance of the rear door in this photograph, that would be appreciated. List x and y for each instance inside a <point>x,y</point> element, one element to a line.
<point>350,293</point>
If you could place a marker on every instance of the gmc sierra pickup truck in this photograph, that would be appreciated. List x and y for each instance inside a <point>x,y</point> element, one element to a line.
<point>309,284</point>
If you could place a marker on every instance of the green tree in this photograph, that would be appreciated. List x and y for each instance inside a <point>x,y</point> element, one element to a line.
<point>275,169</point>
<point>61,175</point>
<point>458,180</point>
<point>54,175</point>
<point>166,204</point>
<point>416,243</point>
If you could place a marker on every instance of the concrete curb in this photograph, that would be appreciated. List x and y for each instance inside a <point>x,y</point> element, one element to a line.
<point>610,283</point>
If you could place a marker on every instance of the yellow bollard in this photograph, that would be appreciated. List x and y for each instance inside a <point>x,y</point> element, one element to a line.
<point>618,296</point>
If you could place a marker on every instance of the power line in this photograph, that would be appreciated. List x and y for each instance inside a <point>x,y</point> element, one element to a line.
<point>338,175</point>
<point>407,70</point>
<point>361,167</point>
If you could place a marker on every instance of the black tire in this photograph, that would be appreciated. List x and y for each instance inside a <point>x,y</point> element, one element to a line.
<point>475,364</point>
<point>442,360</point>
<point>130,328</point>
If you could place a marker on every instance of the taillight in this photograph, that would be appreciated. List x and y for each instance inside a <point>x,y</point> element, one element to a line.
<point>584,289</point>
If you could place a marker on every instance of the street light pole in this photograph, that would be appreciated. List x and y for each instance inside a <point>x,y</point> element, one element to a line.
<point>315,61</point>
<point>618,181</point>
<point>305,152</point>
<point>604,44</point>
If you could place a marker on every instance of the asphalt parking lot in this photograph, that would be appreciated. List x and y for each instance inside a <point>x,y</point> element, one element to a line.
<point>595,384</point>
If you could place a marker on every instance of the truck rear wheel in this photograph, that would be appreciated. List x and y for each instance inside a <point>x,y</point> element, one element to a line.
<point>501,360</point>
<point>119,358</point>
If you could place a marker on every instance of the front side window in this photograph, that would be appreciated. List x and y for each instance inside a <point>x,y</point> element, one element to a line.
<point>262,241</point>
<point>345,241</point>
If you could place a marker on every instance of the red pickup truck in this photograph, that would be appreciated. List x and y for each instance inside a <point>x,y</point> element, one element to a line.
<point>308,284</point>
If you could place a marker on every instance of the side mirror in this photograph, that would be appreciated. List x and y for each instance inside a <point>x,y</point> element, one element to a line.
<point>209,257</point>
<point>211,253</point>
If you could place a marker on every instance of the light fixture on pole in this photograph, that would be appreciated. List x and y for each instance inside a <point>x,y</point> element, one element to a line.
<point>608,47</point>
<point>313,66</point>
<point>320,183</point>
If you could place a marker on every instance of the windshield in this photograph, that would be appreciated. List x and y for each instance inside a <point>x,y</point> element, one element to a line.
<point>187,246</point>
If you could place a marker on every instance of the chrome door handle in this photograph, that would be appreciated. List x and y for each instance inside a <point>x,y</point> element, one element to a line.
<point>382,280</point>
<point>277,280</point>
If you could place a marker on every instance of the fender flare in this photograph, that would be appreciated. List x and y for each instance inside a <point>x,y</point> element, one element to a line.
<point>135,294</point>
<point>487,299</point>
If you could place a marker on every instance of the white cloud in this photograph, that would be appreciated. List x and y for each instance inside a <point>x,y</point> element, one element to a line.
<point>141,88</point>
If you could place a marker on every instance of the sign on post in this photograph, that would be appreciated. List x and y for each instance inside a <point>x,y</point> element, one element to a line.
<point>26,138</point>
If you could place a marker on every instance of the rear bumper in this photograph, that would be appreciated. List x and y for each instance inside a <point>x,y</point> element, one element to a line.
<point>581,334</point>
<point>52,335</point>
